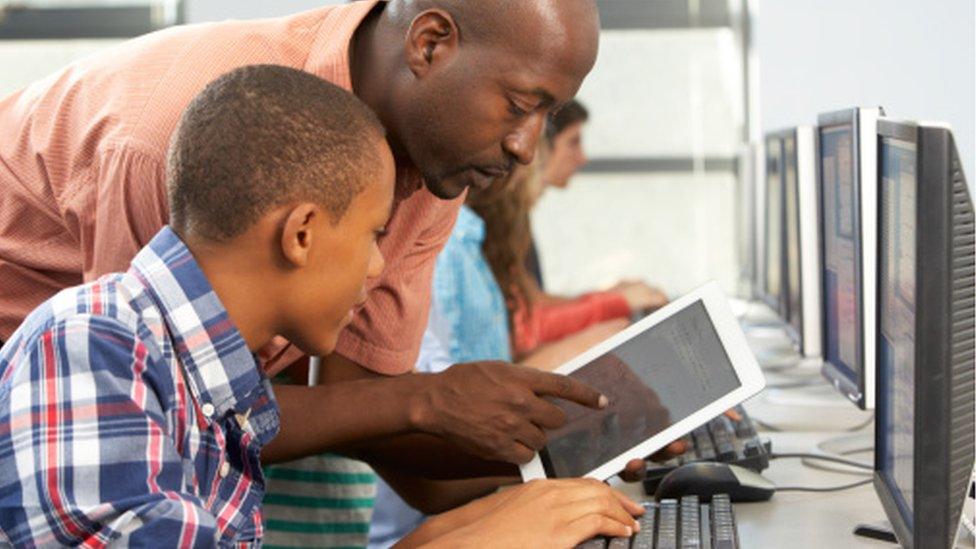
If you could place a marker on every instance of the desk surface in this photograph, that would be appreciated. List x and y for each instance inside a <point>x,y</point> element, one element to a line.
<point>799,520</point>
<point>809,412</point>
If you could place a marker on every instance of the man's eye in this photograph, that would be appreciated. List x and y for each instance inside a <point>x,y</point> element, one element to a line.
<point>515,109</point>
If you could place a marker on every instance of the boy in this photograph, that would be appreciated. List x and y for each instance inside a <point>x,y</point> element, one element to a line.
<point>133,410</point>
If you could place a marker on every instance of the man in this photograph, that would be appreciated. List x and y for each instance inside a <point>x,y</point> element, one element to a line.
<point>463,89</point>
<point>132,410</point>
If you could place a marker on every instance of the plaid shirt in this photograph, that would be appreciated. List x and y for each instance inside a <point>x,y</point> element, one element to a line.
<point>132,412</point>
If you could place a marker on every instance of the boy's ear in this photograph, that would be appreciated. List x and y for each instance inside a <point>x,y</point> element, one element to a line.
<point>298,232</point>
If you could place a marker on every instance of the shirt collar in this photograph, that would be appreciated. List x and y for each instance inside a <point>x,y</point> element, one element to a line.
<point>329,57</point>
<point>221,371</point>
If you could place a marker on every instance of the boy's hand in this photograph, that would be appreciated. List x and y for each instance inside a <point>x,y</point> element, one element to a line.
<point>550,513</point>
<point>496,410</point>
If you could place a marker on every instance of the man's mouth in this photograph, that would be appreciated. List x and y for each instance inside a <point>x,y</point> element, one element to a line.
<point>487,176</point>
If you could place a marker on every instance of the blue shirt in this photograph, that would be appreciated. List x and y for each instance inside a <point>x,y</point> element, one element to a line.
<point>468,322</point>
<point>133,413</point>
<point>467,296</point>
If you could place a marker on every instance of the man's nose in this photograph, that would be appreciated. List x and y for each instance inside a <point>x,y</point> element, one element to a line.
<point>522,142</point>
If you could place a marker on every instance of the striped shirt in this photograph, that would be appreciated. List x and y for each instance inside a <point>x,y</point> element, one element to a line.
<point>319,501</point>
<point>132,412</point>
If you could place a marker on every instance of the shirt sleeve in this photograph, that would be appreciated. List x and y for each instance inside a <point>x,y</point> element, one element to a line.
<point>385,336</point>
<point>549,322</point>
<point>91,461</point>
<point>130,207</point>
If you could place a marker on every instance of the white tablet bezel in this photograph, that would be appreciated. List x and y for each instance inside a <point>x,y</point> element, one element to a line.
<point>732,339</point>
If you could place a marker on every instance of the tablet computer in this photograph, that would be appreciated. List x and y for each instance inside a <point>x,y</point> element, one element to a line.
<point>664,376</point>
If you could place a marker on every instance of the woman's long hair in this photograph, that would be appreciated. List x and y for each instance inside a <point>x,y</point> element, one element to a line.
<point>505,210</point>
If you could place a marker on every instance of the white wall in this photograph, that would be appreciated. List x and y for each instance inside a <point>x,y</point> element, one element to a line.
<point>915,58</point>
<point>25,61</point>
<point>652,94</point>
<point>216,10</point>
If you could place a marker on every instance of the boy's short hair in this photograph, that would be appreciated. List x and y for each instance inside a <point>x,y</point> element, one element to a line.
<point>265,136</point>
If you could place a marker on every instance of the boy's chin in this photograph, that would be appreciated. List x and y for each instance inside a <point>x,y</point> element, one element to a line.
<point>319,346</point>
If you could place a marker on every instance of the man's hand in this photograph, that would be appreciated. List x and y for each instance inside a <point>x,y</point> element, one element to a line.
<point>495,410</point>
<point>546,513</point>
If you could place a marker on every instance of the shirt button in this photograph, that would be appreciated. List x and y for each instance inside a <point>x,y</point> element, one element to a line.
<point>224,469</point>
<point>207,409</point>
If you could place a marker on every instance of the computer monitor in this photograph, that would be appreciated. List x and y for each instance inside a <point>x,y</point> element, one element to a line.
<point>924,435</point>
<point>773,242</point>
<point>847,171</point>
<point>802,255</point>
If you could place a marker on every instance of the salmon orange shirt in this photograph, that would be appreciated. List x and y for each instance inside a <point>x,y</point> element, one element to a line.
<point>82,170</point>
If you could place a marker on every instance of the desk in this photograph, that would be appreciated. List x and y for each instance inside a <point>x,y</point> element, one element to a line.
<point>799,520</point>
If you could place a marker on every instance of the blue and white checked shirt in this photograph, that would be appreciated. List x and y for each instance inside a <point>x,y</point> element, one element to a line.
<point>132,411</point>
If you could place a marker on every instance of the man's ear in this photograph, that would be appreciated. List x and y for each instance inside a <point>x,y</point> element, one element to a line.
<point>432,38</point>
<point>298,232</point>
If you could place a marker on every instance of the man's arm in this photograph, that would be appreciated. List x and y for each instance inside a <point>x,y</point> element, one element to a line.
<point>488,409</point>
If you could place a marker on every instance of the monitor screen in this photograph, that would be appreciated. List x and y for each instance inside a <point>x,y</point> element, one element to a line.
<point>774,224</point>
<point>652,381</point>
<point>841,266</point>
<point>791,188</point>
<point>896,359</point>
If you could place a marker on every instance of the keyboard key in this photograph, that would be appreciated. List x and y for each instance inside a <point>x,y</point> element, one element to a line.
<point>595,543</point>
<point>667,525</point>
<point>648,522</point>
<point>706,526</point>
<point>723,523</point>
<point>753,448</point>
<point>619,543</point>
<point>690,538</point>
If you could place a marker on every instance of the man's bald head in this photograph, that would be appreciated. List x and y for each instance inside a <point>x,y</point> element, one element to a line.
<point>508,22</point>
<point>468,84</point>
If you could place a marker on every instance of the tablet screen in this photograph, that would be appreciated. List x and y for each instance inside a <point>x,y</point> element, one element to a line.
<point>653,380</point>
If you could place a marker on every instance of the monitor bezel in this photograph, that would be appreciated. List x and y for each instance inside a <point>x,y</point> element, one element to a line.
<point>859,389</point>
<point>810,268</point>
<point>932,452</point>
<point>775,303</point>
<point>795,335</point>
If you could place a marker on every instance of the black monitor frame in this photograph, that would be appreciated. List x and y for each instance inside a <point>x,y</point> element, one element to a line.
<point>944,343</point>
<point>775,302</point>
<point>794,331</point>
<point>859,389</point>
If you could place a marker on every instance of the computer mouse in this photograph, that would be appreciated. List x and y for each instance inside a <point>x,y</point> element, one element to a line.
<point>705,479</point>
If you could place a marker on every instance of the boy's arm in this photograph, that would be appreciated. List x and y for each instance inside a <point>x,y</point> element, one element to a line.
<point>432,497</point>
<point>552,513</point>
<point>88,447</point>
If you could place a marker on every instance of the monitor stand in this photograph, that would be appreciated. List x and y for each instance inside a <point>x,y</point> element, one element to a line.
<point>878,530</point>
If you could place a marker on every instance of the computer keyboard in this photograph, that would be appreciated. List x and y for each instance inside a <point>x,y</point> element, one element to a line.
<point>684,524</point>
<point>721,439</point>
